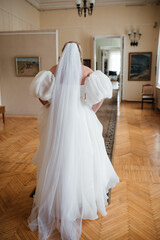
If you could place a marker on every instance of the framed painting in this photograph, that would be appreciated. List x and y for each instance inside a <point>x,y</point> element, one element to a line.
<point>139,68</point>
<point>87,62</point>
<point>27,66</point>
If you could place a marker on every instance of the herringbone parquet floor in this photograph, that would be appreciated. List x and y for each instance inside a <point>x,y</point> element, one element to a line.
<point>134,212</point>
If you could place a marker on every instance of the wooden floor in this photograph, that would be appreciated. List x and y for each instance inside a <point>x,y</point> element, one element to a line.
<point>134,212</point>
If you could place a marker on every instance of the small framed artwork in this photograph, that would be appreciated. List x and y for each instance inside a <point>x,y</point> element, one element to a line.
<point>27,66</point>
<point>139,68</point>
<point>87,62</point>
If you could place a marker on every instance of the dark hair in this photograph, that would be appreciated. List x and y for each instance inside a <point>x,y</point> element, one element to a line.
<point>79,48</point>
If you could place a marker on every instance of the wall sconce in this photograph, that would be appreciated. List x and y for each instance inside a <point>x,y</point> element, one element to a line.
<point>85,7</point>
<point>134,37</point>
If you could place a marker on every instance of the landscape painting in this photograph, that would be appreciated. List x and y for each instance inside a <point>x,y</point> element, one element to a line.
<point>27,66</point>
<point>140,66</point>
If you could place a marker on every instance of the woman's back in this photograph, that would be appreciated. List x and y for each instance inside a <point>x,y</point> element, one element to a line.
<point>86,71</point>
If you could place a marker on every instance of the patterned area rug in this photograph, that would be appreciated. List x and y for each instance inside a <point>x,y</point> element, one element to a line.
<point>107,114</point>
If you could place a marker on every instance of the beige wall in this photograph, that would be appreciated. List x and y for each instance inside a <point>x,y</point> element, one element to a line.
<point>18,15</point>
<point>108,20</point>
<point>15,90</point>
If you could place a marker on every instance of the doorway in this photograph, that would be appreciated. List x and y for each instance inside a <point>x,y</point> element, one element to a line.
<point>109,58</point>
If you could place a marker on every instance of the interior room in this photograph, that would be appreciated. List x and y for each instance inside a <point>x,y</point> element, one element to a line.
<point>108,57</point>
<point>120,40</point>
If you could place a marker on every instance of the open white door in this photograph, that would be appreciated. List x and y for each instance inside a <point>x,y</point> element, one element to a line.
<point>121,45</point>
<point>122,70</point>
<point>94,54</point>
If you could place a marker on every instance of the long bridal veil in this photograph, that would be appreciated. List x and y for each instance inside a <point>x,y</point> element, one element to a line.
<point>58,201</point>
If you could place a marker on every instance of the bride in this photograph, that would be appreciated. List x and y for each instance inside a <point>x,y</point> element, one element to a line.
<point>74,173</point>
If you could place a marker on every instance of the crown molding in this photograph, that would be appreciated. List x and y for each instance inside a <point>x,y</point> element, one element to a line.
<point>62,4</point>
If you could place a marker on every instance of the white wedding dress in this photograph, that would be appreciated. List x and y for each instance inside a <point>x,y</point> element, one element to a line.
<point>85,174</point>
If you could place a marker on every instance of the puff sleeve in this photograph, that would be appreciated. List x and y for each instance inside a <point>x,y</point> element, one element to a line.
<point>97,87</point>
<point>42,85</point>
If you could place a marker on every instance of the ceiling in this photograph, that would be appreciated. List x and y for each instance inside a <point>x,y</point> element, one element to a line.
<point>58,4</point>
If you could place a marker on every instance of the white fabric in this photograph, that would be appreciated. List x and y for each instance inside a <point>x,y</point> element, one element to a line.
<point>42,85</point>
<point>74,172</point>
<point>97,86</point>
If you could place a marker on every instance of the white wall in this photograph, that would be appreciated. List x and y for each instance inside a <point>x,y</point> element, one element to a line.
<point>15,90</point>
<point>16,15</point>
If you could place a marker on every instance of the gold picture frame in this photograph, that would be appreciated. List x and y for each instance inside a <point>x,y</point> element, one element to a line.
<point>27,66</point>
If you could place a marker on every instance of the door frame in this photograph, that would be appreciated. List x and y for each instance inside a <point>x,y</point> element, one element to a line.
<point>123,51</point>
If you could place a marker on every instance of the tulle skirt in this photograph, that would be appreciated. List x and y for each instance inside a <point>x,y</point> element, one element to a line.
<point>86,176</point>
